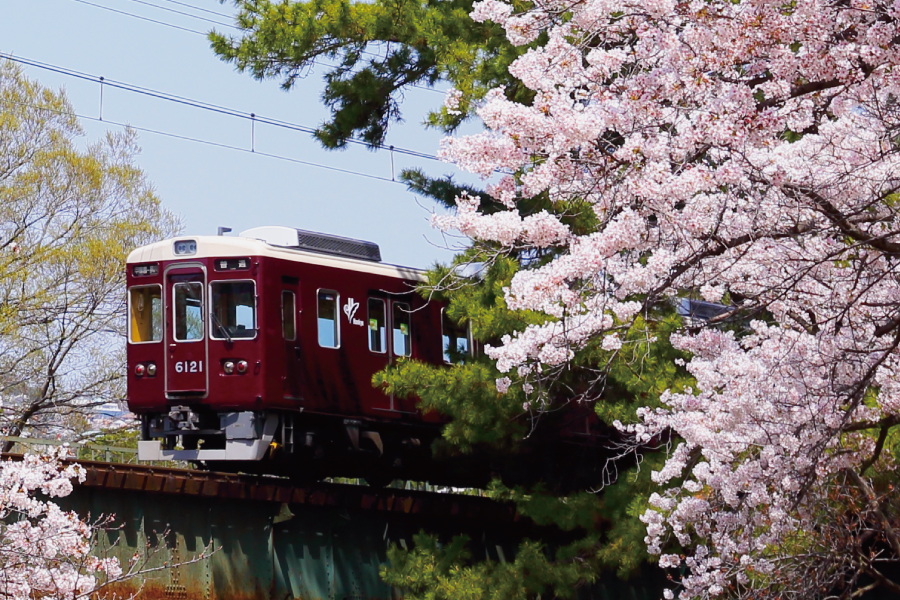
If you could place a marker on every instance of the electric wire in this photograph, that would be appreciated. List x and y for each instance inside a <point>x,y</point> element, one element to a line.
<point>206,10</point>
<point>128,14</point>
<point>231,112</point>
<point>181,12</point>
<point>214,144</point>
<point>205,34</point>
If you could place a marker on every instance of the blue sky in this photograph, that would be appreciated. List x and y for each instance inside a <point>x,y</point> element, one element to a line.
<point>212,186</point>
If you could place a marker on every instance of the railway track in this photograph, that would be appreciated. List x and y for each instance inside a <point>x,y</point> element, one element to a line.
<point>251,488</point>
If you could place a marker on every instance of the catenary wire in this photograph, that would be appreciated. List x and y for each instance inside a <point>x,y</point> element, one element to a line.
<point>215,144</point>
<point>181,12</point>
<point>204,34</point>
<point>199,104</point>
<point>206,10</point>
<point>122,12</point>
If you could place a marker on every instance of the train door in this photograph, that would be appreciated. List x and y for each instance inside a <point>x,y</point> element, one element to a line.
<point>186,345</point>
<point>290,334</point>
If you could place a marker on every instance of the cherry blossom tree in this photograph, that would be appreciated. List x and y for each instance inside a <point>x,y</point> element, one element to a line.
<point>744,152</point>
<point>46,552</point>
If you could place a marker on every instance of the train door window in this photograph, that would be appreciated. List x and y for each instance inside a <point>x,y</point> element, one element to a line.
<point>288,315</point>
<point>329,325</point>
<point>377,325</point>
<point>233,310</point>
<point>454,338</point>
<point>400,323</point>
<point>145,314</point>
<point>188,309</point>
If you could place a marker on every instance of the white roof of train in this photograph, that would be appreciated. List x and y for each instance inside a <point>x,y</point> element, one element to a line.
<point>216,246</point>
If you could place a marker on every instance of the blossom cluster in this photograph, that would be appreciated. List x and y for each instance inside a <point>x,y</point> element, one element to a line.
<point>45,551</point>
<point>742,151</point>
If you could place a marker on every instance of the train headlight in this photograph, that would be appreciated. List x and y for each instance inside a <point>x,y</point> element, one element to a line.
<point>183,247</point>
<point>228,367</point>
<point>140,370</point>
<point>151,369</point>
<point>242,366</point>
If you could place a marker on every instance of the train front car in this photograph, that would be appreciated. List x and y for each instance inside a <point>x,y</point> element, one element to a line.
<point>194,350</point>
<point>256,353</point>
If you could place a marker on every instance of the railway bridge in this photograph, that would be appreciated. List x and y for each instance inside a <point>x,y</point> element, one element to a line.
<point>277,540</point>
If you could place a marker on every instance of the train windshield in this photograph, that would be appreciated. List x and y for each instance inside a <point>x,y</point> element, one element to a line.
<point>188,311</point>
<point>233,309</point>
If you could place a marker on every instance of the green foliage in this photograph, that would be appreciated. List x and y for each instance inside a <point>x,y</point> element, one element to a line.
<point>644,368</point>
<point>609,537</point>
<point>381,48</point>
<point>432,571</point>
<point>119,438</point>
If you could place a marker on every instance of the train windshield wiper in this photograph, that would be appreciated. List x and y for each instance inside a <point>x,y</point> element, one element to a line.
<point>218,324</point>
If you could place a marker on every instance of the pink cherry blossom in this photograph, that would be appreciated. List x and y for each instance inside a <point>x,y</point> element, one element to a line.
<point>45,551</point>
<point>729,150</point>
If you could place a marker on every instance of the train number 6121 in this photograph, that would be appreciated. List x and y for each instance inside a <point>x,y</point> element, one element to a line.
<point>189,366</point>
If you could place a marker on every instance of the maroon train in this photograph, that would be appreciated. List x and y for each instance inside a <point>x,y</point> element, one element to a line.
<point>256,353</point>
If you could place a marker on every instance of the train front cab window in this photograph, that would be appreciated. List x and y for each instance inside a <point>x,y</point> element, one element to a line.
<point>327,302</point>
<point>188,307</point>
<point>145,314</point>
<point>377,326</point>
<point>401,337</point>
<point>233,314</point>
<point>454,339</point>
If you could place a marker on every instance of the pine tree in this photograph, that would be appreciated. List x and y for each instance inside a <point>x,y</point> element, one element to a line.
<point>381,49</point>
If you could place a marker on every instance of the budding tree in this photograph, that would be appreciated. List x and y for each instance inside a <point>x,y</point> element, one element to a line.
<point>69,214</point>
<point>744,151</point>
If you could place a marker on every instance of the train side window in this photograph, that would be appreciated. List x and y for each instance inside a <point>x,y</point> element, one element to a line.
<point>288,315</point>
<point>329,325</point>
<point>454,339</point>
<point>188,311</point>
<point>400,323</point>
<point>377,326</point>
<point>233,310</point>
<point>145,314</point>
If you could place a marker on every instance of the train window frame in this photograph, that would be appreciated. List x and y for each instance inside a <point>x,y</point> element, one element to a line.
<point>162,314</point>
<point>408,335</point>
<point>384,325</point>
<point>293,321</point>
<point>213,328</point>
<point>337,319</point>
<point>175,337</point>
<point>468,352</point>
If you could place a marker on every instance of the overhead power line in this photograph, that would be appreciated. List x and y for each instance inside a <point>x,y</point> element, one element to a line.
<point>199,104</point>
<point>128,14</point>
<point>181,12</point>
<point>216,144</point>
<point>205,34</point>
<point>197,8</point>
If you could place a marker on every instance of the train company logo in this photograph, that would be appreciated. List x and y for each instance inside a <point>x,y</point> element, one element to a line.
<point>350,310</point>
